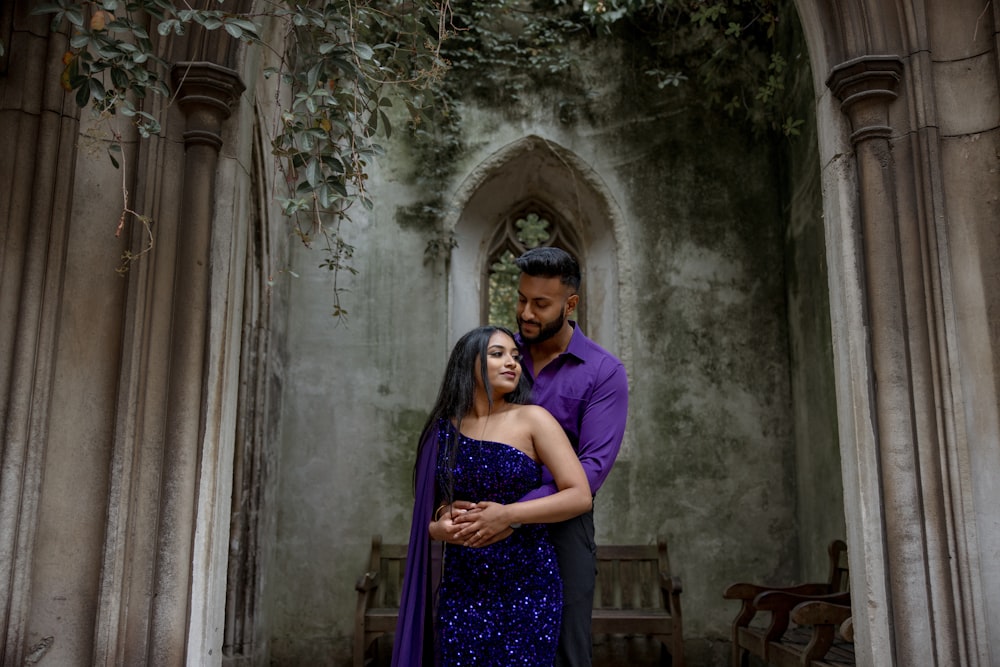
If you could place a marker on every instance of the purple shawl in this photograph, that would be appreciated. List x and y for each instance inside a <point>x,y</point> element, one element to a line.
<point>414,642</point>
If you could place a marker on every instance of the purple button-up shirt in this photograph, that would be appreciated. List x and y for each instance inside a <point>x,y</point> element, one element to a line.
<point>586,390</point>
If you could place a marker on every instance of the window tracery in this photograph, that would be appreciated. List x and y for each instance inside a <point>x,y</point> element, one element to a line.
<point>529,226</point>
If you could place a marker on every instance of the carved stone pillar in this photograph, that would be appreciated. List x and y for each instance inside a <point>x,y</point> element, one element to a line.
<point>899,317</point>
<point>37,125</point>
<point>206,93</point>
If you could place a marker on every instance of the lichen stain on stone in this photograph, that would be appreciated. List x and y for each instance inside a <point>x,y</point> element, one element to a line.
<point>36,652</point>
<point>398,455</point>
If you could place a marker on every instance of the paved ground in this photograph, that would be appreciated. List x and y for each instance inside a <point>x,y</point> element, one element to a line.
<point>608,652</point>
<point>633,652</point>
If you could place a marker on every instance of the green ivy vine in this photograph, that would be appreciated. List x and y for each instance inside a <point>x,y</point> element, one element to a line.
<point>344,63</point>
<point>339,62</point>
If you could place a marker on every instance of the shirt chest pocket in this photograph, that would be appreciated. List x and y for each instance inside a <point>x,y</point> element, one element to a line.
<point>568,411</point>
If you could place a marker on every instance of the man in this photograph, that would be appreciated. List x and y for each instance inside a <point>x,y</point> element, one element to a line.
<point>586,388</point>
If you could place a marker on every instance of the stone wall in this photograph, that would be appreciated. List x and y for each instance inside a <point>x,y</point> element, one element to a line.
<point>709,285</point>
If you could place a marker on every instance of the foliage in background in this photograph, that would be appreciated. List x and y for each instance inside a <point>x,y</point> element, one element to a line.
<point>724,55</point>
<point>337,59</point>
<point>340,59</point>
<point>732,48</point>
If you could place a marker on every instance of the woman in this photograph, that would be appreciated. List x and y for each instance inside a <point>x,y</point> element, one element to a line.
<point>499,603</point>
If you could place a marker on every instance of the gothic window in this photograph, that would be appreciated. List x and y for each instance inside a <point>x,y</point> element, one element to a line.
<point>530,226</point>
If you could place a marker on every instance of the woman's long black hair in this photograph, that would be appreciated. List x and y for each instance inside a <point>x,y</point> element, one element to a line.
<point>458,388</point>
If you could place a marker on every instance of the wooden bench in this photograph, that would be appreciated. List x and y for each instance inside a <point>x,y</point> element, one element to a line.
<point>635,595</point>
<point>378,589</point>
<point>809,624</point>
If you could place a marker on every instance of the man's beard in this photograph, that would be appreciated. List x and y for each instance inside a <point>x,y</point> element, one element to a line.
<point>545,331</point>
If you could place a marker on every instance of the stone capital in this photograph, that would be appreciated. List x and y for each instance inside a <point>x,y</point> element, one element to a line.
<point>866,86</point>
<point>205,93</point>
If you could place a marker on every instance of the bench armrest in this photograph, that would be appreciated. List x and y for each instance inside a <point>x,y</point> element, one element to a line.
<point>670,591</point>
<point>670,584</point>
<point>745,591</point>
<point>824,617</point>
<point>847,629</point>
<point>786,601</point>
<point>368,581</point>
<point>821,612</point>
<point>748,593</point>
<point>781,603</point>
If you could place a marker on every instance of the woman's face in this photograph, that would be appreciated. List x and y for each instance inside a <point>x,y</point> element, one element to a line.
<point>503,364</point>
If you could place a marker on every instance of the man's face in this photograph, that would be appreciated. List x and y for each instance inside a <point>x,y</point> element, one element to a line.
<point>543,304</point>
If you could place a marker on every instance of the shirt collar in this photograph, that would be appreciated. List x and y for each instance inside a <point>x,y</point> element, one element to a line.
<point>577,343</point>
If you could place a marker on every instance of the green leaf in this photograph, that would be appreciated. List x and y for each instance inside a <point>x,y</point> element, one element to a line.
<point>97,89</point>
<point>248,27</point>
<point>313,172</point>
<point>82,96</point>
<point>119,78</point>
<point>75,15</point>
<point>46,8</point>
<point>234,30</point>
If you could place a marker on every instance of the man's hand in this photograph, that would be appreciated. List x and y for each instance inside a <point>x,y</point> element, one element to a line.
<point>481,524</point>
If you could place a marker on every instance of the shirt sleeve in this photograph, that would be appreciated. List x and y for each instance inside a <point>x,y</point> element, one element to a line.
<point>601,430</point>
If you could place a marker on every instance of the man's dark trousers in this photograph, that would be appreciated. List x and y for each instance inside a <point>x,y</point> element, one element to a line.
<point>577,554</point>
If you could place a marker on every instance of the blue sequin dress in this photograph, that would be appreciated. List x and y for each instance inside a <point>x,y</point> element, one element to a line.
<point>499,605</point>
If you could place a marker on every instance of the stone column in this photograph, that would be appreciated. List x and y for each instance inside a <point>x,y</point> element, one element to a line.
<point>38,125</point>
<point>206,93</point>
<point>899,315</point>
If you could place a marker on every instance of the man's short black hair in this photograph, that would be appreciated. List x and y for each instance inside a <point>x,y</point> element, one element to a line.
<point>550,262</point>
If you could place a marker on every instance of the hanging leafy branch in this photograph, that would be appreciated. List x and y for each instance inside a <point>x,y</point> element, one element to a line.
<point>339,61</point>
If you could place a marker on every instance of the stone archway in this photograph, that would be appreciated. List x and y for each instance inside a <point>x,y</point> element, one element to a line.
<point>534,168</point>
<point>907,108</point>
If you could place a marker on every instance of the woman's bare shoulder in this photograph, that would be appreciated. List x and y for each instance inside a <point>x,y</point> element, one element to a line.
<point>535,413</point>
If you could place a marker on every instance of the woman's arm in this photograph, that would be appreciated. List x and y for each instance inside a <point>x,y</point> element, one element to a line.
<point>488,520</point>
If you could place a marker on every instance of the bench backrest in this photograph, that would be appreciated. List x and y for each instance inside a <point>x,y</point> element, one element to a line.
<point>840,571</point>
<point>628,576</point>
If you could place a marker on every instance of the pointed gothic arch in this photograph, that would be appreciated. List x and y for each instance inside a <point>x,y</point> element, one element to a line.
<point>534,171</point>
